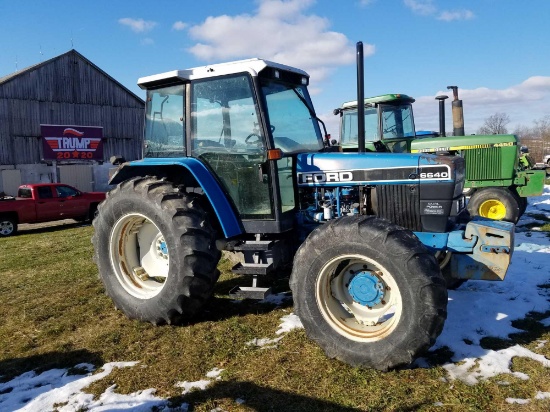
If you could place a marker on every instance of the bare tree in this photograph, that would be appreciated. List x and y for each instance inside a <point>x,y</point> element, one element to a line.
<point>495,124</point>
<point>537,137</point>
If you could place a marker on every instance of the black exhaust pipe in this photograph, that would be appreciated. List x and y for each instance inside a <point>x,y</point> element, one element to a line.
<point>458,113</point>
<point>360,99</point>
<point>442,99</point>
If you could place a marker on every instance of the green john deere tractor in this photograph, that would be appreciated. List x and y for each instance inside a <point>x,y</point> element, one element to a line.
<point>499,178</point>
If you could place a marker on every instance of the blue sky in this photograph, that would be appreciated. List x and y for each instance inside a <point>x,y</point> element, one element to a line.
<point>496,51</point>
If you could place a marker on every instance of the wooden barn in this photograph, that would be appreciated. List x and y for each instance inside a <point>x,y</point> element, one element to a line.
<point>61,120</point>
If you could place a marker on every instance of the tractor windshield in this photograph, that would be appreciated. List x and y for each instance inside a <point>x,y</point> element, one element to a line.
<point>397,121</point>
<point>386,121</point>
<point>164,130</point>
<point>292,122</point>
<point>349,133</point>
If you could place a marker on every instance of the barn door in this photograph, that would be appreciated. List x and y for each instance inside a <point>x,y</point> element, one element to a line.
<point>11,180</point>
<point>79,176</point>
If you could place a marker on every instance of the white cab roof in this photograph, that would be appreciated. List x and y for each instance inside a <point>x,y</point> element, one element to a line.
<point>252,66</point>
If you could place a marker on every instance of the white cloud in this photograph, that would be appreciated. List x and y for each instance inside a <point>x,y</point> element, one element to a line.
<point>429,8</point>
<point>147,41</point>
<point>523,102</point>
<point>179,25</point>
<point>456,15</point>
<point>137,25</point>
<point>422,7</point>
<point>279,30</point>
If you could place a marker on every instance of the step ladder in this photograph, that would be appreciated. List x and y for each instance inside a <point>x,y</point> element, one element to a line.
<point>258,261</point>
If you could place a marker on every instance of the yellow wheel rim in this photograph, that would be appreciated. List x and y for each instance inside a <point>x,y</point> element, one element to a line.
<point>492,209</point>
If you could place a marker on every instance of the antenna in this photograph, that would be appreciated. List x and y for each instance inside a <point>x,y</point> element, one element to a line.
<point>72,45</point>
<point>16,62</point>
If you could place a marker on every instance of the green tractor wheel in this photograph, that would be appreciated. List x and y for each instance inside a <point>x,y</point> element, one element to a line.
<point>495,203</point>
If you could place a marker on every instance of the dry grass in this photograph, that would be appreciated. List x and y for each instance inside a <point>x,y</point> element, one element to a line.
<point>55,314</point>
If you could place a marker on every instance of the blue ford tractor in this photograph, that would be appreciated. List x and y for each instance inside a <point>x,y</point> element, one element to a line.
<point>234,159</point>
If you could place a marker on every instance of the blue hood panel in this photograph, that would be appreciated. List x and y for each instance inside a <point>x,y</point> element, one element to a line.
<point>335,169</point>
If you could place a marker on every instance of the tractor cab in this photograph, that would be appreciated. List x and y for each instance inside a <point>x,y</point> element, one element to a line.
<point>244,121</point>
<point>389,124</point>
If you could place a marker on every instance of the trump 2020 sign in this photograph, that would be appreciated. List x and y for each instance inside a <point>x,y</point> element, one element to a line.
<point>72,142</point>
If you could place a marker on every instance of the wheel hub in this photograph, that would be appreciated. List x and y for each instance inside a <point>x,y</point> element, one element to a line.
<point>162,249</point>
<point>366,289</point>
<point>492,209</point>
<point>6,227</point>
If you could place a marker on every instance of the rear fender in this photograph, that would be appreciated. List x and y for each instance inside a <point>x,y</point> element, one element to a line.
<point>175,170</point>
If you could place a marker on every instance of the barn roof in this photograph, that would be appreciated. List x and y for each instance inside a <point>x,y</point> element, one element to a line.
<point>73,52</point>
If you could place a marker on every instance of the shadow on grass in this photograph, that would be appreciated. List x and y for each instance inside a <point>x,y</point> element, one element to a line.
<point>36,228</point>
<point>264,399</point>
<point>222,306</point>
<point>10,368</point>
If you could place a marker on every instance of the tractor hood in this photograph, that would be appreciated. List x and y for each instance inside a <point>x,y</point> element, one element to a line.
<point>337,169</point>
<point>454,143</point>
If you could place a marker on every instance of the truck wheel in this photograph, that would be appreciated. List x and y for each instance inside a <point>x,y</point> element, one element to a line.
<point>155,250</point>
<point>494,203</point>
<point>8,226</point>
<point>368,292</point>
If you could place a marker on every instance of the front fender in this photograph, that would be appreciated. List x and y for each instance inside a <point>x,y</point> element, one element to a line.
<point>229,221</point>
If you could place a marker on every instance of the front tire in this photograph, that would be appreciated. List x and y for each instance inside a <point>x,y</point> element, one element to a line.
<point>495,203</point>
<point>368,292</point>
<point>155,250</point>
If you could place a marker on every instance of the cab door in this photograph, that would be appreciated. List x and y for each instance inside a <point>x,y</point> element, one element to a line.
<point>227,136</point>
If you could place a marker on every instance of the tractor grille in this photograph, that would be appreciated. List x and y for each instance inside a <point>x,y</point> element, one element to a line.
<point>400,204</point>
<point>483,164</point>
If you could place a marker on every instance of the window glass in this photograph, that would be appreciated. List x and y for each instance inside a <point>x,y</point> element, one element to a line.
<point>65,191</point>
<point>397,121</point>
<point>226,134</point>
<point>164,122</point>
<point>349,126</point>
<point>44,192</point>
<point>25,193</point>
<point>293,127</point>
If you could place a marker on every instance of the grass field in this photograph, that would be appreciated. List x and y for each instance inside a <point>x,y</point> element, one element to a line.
<point>56,315</point>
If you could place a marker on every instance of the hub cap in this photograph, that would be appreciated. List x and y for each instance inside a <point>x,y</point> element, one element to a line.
<point>492,209</point>
<point>139,256</point>
<point>358,298</point>
<point>6,227</point>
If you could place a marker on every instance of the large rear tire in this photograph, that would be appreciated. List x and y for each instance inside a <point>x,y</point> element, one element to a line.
<point>155,250</point>
<point>497,203</point>
<point>368,292</point>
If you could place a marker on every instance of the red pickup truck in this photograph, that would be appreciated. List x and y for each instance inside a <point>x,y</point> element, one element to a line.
<point>46,202</point>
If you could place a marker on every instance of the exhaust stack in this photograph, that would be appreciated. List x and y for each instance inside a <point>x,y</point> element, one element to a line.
<point>442,99</point>
<point>360,99</point>
<point>458,114</point>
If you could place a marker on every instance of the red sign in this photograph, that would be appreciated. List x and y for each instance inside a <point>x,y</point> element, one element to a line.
<point>72,142</point>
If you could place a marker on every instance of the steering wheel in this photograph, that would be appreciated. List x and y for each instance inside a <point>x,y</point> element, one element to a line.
<point>256,142</point>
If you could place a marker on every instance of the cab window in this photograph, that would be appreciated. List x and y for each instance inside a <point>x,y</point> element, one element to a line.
<point>164,122</point>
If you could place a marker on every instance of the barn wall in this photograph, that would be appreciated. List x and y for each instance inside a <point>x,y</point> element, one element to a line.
<point>66,90</point>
